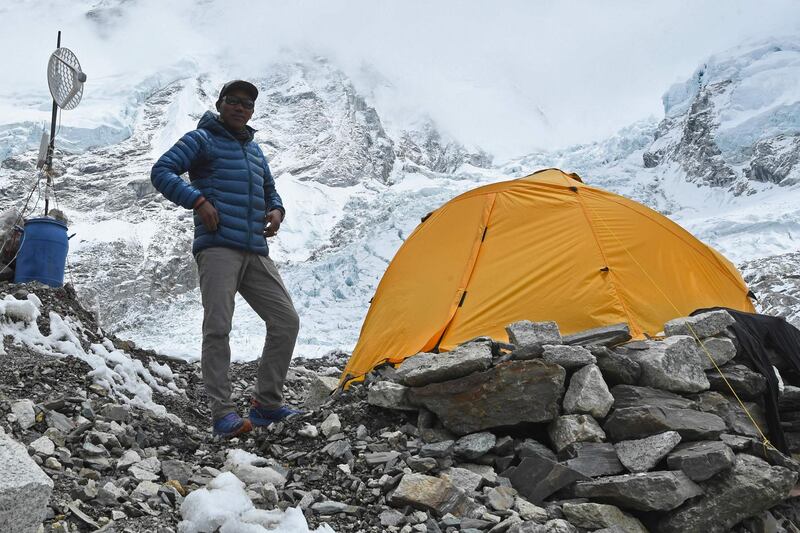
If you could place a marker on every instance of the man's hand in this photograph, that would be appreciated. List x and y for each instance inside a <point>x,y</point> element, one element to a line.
<point>208,214</point>
<point>273,222</point>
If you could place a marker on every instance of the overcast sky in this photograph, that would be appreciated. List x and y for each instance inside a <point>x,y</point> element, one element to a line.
<point>506,75</point>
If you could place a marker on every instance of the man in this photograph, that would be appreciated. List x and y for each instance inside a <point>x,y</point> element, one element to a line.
<point>236,206</point>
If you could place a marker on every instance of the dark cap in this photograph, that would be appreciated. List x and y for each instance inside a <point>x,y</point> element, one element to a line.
<point>241,85</point>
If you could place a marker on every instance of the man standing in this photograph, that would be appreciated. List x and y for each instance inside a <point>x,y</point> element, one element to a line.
<point>236,206</point>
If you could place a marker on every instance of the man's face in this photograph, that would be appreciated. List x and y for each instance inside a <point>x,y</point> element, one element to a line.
<point>235,116</point>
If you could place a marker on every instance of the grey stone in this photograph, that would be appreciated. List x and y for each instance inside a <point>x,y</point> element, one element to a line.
<point>602,336</point>
<point>438,449</point>
<point>703,325</point>
<point>177,470</point>
<point>639,422</point>
<point>43,446</point>
<point>389,395</point>
<point>503,446</point>
<point>146,469</point>
<point>526,333</point>
<point>592,459</point>
<point>486,472</point>
<point>526,353</point>
<point>339,450</point>
<point>530,447</point>
<point>650,491</point>
<point>633,396</point>
<point>569,357</point>
<point>751,487</point>
<point>588,393</point>
<point>747,384</point>
<point>116,412</point>
<point>736,419</point>
<point>474,445</point>
<point>421,464</point>
<point>501,498</point>
<point>390,517</point>
<point>331,507</point>
<point>145,490</point>
<point>536,478</point>
<point>380,458</point>
<point>319,390</point>
<point>24,488</point>
<point>431,494</point>
<point>701,460</point>
<point>617,368</point>
<point>529,511</point>
<point>593,516</point>
<point>463,478</point>
<point>25,413</point>
<point>60,422</point>
<point>331,425</point>
<point>721,349</point>
<point>568,429</point>
<point>505,395</point>
<point>672,364</point>
<point>644,454</point>
<point>425,368</point>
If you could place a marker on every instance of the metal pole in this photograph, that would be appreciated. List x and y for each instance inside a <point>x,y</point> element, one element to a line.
<point>48,166</point>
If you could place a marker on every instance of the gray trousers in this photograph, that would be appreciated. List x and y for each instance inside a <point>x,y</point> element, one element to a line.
<point>224,272</point>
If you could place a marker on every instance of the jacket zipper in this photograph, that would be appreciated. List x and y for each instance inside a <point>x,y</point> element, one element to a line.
<point>249,196</point>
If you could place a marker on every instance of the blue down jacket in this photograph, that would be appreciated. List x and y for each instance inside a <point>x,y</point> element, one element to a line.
<point>233,176</point>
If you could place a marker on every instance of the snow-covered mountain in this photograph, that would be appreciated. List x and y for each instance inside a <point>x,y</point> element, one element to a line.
<point>356,181</point>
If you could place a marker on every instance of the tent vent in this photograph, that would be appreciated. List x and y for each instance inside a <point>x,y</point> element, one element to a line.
<point>484,233</point>
<point>604,269</point>
<point>463,295</point>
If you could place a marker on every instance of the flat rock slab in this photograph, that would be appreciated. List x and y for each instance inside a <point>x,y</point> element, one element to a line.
<point>633,396</point>
<point>639,422</point>
<point>594,516</point>
<point>536,478</point>
<point>751,487</point>
<point>651,491</point>
<point>24,488</point>
<point>474,445</point>
<point>672,364</point>
<point>425,368</point>
<point>505,395</point>
<point>568,429</point>
<point>644,454</point>
<point>721,349</point>
<point>532,334</point>
<point>701,460</point>
<point>431,494</point>
<point>602,336</point>
<point>703,325</point>
<point>531,447</point>
<point>569,357</point>
<point>389,395</point>
<point>592,459</point>
<point>747,384</point>
<point>617,368</point>
<point>588,393</point>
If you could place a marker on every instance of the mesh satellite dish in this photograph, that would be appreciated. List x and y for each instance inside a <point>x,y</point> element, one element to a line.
<point>65,78</point>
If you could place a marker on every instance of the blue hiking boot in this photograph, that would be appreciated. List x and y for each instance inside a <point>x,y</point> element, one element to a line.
<point>262,417</point>
<point>231,425</point>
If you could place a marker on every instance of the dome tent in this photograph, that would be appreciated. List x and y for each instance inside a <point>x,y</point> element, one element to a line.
<point>543,247</point>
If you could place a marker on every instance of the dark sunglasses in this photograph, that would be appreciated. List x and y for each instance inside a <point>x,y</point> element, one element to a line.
<point>244,102</point>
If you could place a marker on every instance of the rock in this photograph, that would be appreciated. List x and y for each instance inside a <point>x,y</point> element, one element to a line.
<point>53,464</point>
<point>505,395</point>
<point>421,464</point>
<point>60,422</point>
<point>529,511</point>
<point>24,488</point>
<point>551,526</point>
<point>751,487</point>
<point>736,419</point>
<point>129,457</point>
<point>501,498</point>
<point>486,472</point>
<point>632,396</point>
<point>177,470</point>
<point>330,507</point>
<point>145,490</point>
<point>568,429</point>
<point>116,412</point>
<point>389,395</point>
<point>703,325</point>
<point>616,368</point>
<point>602,336</point>
<point>530,447</point>
<point>650,491</point>
<point>146,469</point>
<point>596,515</point>
<point>425,368</point>
<point>672,364</point>
<point>747,384</point>
<point>43,446</point>
<point>526,333</point>
<point>721,350</point>
<point>701,460</point>
<point>474,445</point>
<point>431,494</point>
<point>536,478</point>
<point>25,413</point>
<point>464,479</point>
<point>331,425</point>
<point>309,431</point>
<point>639,422</point>
<point>644,454</point>
<point>438,449</point>
<point>592,459</point>
<point>319,390</point>
<point>588,393</point>
<point>569,357</point>
<point>380,458</point>
<point>391,518</point>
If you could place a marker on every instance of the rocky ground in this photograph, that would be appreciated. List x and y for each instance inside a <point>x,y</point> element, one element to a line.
<point>550,434</point>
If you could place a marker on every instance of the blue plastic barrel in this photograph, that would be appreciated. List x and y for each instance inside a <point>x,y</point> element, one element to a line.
<point>43,252</point>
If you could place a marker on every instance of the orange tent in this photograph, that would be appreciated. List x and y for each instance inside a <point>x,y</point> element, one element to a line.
<point>543,247</point>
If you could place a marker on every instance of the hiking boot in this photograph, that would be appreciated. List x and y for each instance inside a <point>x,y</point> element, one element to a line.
<point>231,425</point>
<point>261,416</point>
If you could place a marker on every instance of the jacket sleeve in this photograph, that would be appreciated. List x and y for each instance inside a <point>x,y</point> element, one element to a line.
<point>271,196</point>
<point>166,173</point>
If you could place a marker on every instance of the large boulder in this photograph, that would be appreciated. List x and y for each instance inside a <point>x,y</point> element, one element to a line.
<point>702,325</point>
<point>701,460</point>
<point>569,357</point>
<point>672,364</point>
<point>568,429</point>
<point>751,487</point>
<point>633,396</point>
<point>588,393</point>
<point>651,491</point>
<point>592,459</point>
<point>431,494</point>
<point>644,454</point>
<point>425,368</point>
<point>24,489</point>
<point>747,384</point>
<point>721,350</point>
<point>594,516</point>
<point>729,410</point>
<point>529,334</point>
<point>505,395</point>
<point>640,422</point>
<point>536,478</point>
<point>389,395</point>
<point>617,368</point>
<point>602,336</point>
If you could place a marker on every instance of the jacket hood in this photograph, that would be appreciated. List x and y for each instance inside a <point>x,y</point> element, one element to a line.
<point>210,121</point>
